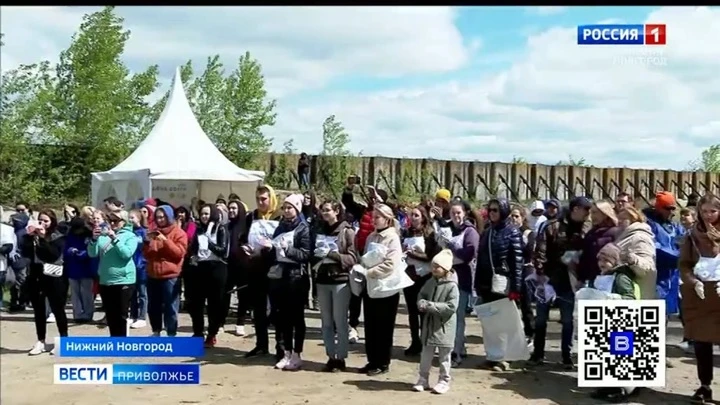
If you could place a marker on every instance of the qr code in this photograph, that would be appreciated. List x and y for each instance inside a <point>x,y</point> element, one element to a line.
<point>621,343</point>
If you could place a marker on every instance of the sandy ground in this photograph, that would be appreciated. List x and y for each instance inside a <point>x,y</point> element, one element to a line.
<point>228,378</point>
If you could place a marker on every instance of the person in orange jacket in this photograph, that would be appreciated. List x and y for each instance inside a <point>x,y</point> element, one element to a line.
<point>164,250</point>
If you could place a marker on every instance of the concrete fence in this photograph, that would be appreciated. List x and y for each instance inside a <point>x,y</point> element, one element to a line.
<point>518,182</point>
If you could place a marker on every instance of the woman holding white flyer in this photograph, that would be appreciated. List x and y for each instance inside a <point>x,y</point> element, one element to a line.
<point>380,313</point>
<point>464,246</point>
<point>289,280</point>
<point>420,246</point>
<point>334,257</point>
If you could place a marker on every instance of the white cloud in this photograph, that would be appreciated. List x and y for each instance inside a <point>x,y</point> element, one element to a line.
<point>606,104</point>
<point>559,99</point>
<point>299,47</point>
<point>547,10</point>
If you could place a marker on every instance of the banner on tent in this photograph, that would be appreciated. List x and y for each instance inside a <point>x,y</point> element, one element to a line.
<point>175,192</point>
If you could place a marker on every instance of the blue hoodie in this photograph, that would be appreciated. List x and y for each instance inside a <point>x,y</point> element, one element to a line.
<point>78,264</point>
<point>138,258</point>
<point>667,248</point>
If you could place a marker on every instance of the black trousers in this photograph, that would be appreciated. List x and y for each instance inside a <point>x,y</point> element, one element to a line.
<point>704,359</point>
<point>414,316</point>
<point>237,278</point>
<point>55,289</point>
<point>206,282</point>
<point>116,303</point>
<point>355,309</point>
<point>380,314</point>
<point>258,285</point>
<point>288,298</point>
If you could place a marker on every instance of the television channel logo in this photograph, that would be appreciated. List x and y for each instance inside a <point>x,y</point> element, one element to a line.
<point>621,343</point>
<point>622,34</point>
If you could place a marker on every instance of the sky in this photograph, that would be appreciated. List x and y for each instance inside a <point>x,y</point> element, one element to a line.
<point>462,83</point>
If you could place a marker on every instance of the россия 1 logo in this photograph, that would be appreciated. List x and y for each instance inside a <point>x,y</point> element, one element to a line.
<point>622,34</point>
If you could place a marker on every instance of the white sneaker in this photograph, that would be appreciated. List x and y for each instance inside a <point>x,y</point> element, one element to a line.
<point>38,348</point>
<point>421,385</point>
<point>239,330</point>
<point>138,324</point>
<point>155,334</point>
<point>221,330</point>
<point>50,319</point>
<point>353,336</point>
<point>294,364</point>
<point>441,387</point>
<point>686,347</point>
<point>284,361</point>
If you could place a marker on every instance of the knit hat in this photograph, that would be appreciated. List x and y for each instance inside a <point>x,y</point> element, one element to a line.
<point>610,252</point>
<point>296,200</point>
<point>443,194</point>
<point>444,259</point>
<point>664,200</point>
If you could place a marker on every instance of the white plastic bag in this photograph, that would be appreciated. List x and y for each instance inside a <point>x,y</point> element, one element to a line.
<point>503,335</point>
<point>442,234</point>
<point>325,244</point>
<point>595,294</point>
<point>261,229</point>
<point>390,285</point>
<point>604,283</point>
<point>543,292</point>
<point>417,244</point>
<point>374,255</point>
<point>285,239</point>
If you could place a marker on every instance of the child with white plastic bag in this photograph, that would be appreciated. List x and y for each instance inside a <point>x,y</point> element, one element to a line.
<point>437,301</point>
<point>616,282</point>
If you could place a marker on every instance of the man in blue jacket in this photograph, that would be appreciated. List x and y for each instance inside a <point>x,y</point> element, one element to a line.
<point>667,237</point>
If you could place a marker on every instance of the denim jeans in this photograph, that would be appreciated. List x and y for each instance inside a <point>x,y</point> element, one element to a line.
<point>566,303</point>
<point>334,301</point>
<point>163,304</point>
<point>139,302</point>
<point>305,180</point>
<point>82,298</point>
<point>460,348</point>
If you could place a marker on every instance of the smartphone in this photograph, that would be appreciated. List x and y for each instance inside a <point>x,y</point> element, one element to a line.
<point>103,226</point>
<point>152,234</point>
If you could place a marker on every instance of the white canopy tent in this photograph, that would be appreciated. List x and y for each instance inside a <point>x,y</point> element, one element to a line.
<point>176,163</point>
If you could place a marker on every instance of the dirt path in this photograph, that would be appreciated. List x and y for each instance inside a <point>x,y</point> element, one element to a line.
<point>227,378</point>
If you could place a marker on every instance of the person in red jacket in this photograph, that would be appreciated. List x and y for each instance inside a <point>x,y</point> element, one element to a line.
<point>363,212</point>
<point>164,250</point>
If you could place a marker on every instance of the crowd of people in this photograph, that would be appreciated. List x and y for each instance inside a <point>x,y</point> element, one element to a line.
<point>282,257</point>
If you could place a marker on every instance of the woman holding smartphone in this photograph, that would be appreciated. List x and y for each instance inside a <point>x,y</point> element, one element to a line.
<point>115,245</point>
<point>43,247</point>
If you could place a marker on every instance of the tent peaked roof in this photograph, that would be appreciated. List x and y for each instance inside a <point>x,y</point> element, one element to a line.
<point>178,148</point>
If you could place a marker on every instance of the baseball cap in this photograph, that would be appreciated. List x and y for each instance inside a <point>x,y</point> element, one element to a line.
<point>119,214</point>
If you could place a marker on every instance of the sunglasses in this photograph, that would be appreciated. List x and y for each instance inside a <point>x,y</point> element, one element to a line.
<point>671,208</point>
<point>493,210</point>
<point>114,220</point>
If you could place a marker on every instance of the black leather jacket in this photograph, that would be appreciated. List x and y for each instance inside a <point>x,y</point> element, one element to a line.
<point>501,251</point>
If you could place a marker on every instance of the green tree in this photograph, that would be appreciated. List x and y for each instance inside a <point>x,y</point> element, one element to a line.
<point>709,160</point>
<point>232,110</point>
<point>571,161</point>
<point>335,155</point>
<point>93,104</point>
<point>247,112</point>
<point>281,173</point>
<point>19,108</point>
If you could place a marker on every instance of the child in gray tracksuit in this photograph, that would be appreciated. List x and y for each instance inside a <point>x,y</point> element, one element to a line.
<point>437,302</point>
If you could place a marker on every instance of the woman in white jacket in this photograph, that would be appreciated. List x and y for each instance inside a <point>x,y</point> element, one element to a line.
<point>380,313</point>
<point>637,249</point>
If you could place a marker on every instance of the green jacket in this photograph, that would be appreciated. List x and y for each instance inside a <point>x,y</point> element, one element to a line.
<point>439,320</point>
<point>116,257</point>
<point>624,283</point>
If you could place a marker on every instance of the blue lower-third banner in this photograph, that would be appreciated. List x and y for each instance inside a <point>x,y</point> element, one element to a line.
<point>126,374</point>
<point>134,346</point>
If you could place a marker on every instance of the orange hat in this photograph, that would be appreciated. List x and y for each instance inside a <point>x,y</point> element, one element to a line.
<point>664,199</point>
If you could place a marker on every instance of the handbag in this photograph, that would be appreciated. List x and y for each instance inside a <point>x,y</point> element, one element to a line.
<point>52,270</point>
<point>499,283</point>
